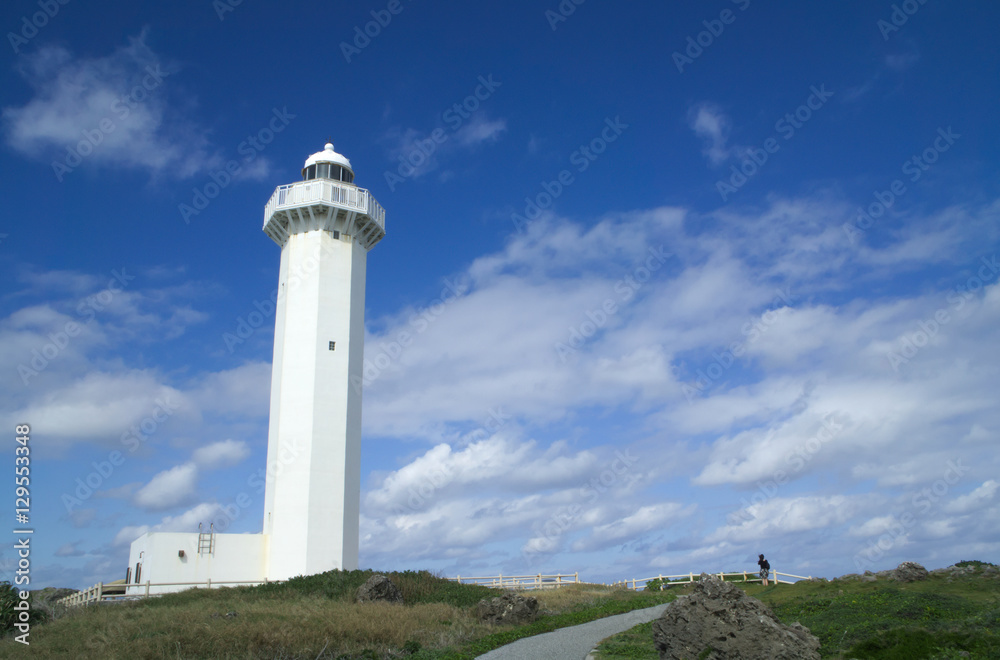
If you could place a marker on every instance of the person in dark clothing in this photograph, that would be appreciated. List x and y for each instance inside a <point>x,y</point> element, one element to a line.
<point>765,567</point>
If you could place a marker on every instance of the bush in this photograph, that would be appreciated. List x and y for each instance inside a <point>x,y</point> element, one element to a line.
<point>9,598</point>
<point>973,562</point>
<point>657,584</point>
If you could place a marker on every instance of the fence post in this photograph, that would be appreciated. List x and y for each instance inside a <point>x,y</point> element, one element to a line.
<point>691,575</point>
<point>209,583</point>
<point>147,588</point>
<point>576,577</point>
<point>100,591</point>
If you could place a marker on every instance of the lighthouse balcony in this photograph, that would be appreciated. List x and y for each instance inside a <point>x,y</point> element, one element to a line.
<point>322,204</point>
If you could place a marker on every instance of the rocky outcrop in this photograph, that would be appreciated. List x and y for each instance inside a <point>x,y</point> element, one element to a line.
<point>719,620</point>
<point>378,588</point>
<point>510,608</point>
<point>909,571</point>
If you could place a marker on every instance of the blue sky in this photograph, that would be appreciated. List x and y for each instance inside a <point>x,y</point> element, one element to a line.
<point>664,286</point>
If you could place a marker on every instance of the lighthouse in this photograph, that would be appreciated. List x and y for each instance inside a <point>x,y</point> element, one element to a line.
<point>325,226</point>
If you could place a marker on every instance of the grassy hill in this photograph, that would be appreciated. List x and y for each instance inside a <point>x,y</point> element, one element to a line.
<point>311,617</point>
<point>953,614</point>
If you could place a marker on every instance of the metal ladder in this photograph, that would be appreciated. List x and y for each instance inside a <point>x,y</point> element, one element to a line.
<point>206,540</point>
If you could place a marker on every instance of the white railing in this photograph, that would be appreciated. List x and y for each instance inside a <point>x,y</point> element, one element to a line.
<point>537,581</point>
<point>318,190</point>
<point>103,591</point>
<point>119,591</point>
<point>640,583</point>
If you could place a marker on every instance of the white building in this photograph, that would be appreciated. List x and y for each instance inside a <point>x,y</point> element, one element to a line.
<point>325,226</point>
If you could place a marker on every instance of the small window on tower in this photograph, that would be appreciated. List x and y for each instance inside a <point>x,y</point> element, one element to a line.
<point>333,345</point>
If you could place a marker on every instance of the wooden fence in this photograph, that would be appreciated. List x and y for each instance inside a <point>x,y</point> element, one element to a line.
<point>537,581</point>
<point>118,591</point>
<point>115,591</point>
<point>640,583</point>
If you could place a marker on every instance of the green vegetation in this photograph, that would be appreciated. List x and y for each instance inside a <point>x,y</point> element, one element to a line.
<point>313,617</point>
<point>939,618</point>
<point>9,599</point>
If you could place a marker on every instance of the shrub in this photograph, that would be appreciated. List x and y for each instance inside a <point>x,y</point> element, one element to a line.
<point>9,597</point>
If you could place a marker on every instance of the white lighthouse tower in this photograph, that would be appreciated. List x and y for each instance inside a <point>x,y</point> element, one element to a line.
<point>325,226</point>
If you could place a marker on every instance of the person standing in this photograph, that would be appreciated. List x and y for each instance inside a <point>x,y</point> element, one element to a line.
<point>765,568</point>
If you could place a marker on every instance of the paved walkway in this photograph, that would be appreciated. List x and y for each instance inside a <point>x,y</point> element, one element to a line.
<point>575,642</point>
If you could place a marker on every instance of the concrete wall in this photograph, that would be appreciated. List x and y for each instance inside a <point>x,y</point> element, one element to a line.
<point>236,557</point>
<point>312,494</point>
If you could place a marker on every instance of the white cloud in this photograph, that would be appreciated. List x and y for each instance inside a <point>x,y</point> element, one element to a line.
<point>220,454</point>
<point>122,101</point>
<point>712,125</point>
<point>782,516</point>
<point>169,488</point>
<point>184,522</point>
<point>975,500</point>
<point>479,129</point>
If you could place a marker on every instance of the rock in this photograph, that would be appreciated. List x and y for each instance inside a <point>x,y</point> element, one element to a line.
<point>719,620</point>
<point>509,608</point>
<point>868,578</point>
<point>379,588</point>
<point>909,571</point>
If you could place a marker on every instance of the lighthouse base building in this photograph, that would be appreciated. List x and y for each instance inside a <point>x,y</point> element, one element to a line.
<point>325,226</point>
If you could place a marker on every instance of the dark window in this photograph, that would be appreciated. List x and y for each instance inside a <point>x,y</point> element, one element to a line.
<point>333,345</point>
<point>138,569</point>
<point>323,171</point>
<point>310,173</point>
<point>128,575</point>
<point>335,172</point>
<point>348,176</point>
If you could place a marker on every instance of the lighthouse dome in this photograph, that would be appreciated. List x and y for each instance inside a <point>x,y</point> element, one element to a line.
<point>328,164</point>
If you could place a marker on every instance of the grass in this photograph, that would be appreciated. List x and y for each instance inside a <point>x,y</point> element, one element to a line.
<point>312,617</point>
<point>883,620</point>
